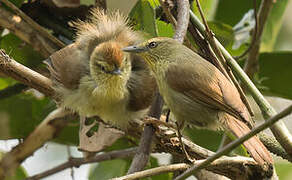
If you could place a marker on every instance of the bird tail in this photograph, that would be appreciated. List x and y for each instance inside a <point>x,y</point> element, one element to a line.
<point>254,146</point>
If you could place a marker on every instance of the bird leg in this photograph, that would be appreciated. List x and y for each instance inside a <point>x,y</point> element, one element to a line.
<point>167,116</point>
<point>155,122</point>
<point>183,145</point>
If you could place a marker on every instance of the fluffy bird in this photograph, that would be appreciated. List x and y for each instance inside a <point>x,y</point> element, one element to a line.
<point>94,77</point>
<point>197,92</point>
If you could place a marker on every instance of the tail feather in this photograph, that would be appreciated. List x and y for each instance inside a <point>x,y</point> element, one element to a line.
<point>254,146</point>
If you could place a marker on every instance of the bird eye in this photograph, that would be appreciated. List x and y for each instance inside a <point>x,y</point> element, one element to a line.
<point>152,44</point>
<point>102,68</point>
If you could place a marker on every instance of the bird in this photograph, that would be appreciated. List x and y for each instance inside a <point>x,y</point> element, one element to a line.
<point>197,93</point>
<point>94,77</point>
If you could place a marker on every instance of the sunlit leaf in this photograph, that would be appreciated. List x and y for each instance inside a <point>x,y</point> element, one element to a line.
<point>143,16</point>
<point>208,7</point>
<point>273,25</point>
<point>20,51</point>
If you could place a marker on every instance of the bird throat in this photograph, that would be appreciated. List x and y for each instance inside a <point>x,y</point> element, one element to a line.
<point>110,87</point>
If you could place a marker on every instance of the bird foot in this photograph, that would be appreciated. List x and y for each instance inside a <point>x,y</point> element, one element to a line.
<point>183,145</point>
<point>156,123</point>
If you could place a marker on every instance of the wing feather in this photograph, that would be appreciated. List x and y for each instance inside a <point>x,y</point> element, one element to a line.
<point>207,86</point>
<point>67,66</point>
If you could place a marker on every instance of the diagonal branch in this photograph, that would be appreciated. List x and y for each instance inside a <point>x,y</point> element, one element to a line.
<point>76,162</point>
<point>236,143</point>
<point>279,129</point>
<point>251,64</point>
<point>25,75</point>
<point>28,30</point>
<point>221,64</point>
<point>238,168</point>
<point>47,130</point>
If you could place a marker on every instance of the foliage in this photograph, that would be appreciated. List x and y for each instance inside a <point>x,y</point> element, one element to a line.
<point>21,113</point>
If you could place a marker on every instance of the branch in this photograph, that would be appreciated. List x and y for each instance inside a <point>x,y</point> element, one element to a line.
<point>221,64</point>
<point>141,158</point>
<point>236,143</point>
<point>238,168</point>
<point>251,64</point>
<point>25,75</point>
<point>279,129</point>
<point>183,17</point>
<point>48,129</point>
<point>29,31</point>
<point>76,162</point>
<point>274,146</point>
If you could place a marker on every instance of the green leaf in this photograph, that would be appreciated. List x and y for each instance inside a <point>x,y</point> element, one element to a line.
<point>223,32</point>
<point>283,170</point>
<point>143,16</point>
<point>275,73</point>
<point>205,138</point>
<point>20,173</point>
<point>208,7</point>
<point>20,115</point>
<point>231,12</point>
<point>5,82</point>
<point>164,29</point>
<point>109,169</point>
<point>273,25</point>
<point>20,51</point>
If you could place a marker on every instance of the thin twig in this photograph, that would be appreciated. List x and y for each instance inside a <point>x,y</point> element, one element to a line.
<point>235,143</point>
<point>251,64</point>
<point>31,22</point>
<point>254,35</point>
<point>279,129</point>
<point>221,64</point>
<point>28,30</point>
<point>238,167</point>
<point>140,160</point>
<point>77,162</point>
<point>69,158</point>
<point>154,171</point>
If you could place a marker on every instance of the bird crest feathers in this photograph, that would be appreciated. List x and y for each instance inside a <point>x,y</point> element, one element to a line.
<point>112,53</point>
<point>101,27</point>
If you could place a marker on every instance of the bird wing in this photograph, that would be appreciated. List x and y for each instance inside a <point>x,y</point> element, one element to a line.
<point>207,86</point>
<point>67,66</point>
<point>141,85</point>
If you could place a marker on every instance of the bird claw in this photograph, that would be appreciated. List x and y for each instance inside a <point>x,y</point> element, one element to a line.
<point>156,123</point>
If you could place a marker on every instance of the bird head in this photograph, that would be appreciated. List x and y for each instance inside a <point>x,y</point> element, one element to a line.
<point>155,51</point>
<point>109,61</point>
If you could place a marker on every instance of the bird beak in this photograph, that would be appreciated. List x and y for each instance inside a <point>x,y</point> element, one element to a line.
<point>135,49</point>
<point>116,72</point>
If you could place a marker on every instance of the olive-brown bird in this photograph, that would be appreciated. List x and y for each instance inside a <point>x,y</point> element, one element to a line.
<point>197,92</point>
<point>94,77</point>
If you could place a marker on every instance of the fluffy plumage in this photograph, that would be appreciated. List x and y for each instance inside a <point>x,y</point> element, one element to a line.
<point>94,77</point>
